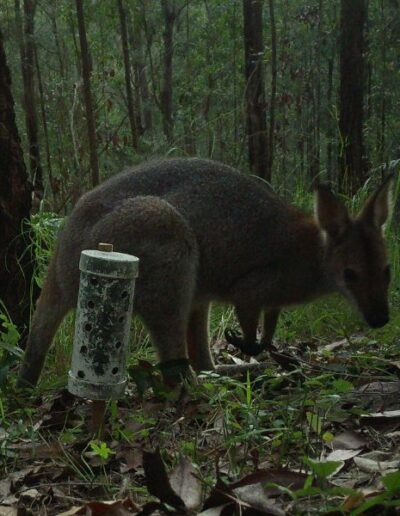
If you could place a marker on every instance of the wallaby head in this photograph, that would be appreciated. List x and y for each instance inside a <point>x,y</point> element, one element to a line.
<point>356,255</point>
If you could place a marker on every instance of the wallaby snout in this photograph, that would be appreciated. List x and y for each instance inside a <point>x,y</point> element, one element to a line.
<point>356,252</point>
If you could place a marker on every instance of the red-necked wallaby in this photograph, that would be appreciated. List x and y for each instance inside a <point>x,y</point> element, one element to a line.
<point>205,232</point>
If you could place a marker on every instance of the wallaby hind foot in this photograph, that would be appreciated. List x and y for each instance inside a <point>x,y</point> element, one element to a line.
<point>248,320</point>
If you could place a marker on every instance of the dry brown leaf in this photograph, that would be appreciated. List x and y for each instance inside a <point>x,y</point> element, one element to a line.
<point>30,495</point>
<point>341,455</point>
<point>215,511</point>
<point>378,462</point>
<point>8,511</point>
<point>133,458</point>
<point>5,486</point>
<point>186,485</point>
<point>237,360</point>
<point>352,501</point>
<point>387,414</point>
<point>334,345</point>
<point>348,440</point>
<point>107,508</point>
<point>256,497</point>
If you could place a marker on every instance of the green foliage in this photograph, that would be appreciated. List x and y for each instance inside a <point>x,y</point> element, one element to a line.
<point>10,352</point>
<point>45,227</point>
<point>101,449</point>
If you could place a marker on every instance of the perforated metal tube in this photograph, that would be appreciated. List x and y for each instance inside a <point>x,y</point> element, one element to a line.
<point>102,325</point>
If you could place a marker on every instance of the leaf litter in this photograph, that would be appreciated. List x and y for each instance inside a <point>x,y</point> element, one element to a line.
<point>169,458</point>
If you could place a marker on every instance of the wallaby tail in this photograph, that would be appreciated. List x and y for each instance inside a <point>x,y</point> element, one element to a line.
<point>50,310</point>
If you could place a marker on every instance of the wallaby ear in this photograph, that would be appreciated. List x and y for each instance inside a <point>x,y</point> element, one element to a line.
<point>331,214</point>
<point>377,207</point>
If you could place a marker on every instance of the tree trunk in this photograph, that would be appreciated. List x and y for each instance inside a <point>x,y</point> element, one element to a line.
<point>135,32</point>
<point>44,119</point>
<point>166,91</point>
<point>352,163</point>
<point>316,164</point>
<point>273,85</point>
<point>187,97</point>
<point>234,32</point>
<point>25,32</point>
<point>381,140</point>
<point>330,126</point>
<point>16,263</point>
<point>127,67</point>
<point>87,93</point>
<point>255,95</point>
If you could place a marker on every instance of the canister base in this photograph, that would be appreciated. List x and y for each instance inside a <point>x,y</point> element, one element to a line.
<point>95,391</point>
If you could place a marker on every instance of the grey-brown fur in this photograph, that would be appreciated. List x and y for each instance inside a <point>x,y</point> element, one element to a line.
<point>203,232</point>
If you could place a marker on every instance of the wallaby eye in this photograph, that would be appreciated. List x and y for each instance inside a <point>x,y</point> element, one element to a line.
<point>350,276</point>
<point>387,273</point>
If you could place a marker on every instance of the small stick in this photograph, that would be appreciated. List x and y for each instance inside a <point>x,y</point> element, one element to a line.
<point>232,370</point>
<point>97,421</point>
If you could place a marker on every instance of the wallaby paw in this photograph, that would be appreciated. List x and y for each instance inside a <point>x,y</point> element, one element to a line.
<point>251,349</point>
<point>177,375</point>
<point>175,371</point>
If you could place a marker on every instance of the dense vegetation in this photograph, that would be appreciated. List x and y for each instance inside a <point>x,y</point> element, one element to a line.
<point>208,83</point>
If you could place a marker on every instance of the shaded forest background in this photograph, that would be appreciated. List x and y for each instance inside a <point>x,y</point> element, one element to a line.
<point>169,78</point>
<point>293,92</point>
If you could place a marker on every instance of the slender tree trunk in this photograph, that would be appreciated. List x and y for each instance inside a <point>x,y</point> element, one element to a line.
<point>143,114</point>
<point>317,96</point>
<point>209,98</point>
<point>309,98</point>
<point>383,63</point>
<point>136,39</point>
<point>273,84</point>
<point>169,14</point>
<point>27,44</point>
<point>352,163</point>
<point>44,119</point>
<point>86,71</point>
<point>234,83</point>
<point>187,98</point>
<point>330,127</point>
<point>16,262</point>
<point>255,95</point>
<point>149,42</point>
<point>127,67</point>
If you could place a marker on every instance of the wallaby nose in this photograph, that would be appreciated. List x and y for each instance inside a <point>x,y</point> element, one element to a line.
<point>377,320</point>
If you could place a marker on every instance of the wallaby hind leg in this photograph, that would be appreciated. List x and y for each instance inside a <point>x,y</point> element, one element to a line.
<point>153,230</point>
<point>51,308</point>
<point>163,299</point>
<point>270,320</point>
<point>248,317</point>
<point>198,339</point>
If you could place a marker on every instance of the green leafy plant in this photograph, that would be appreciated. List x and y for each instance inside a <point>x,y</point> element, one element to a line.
<point>101,449</point>
<point>10,352</point>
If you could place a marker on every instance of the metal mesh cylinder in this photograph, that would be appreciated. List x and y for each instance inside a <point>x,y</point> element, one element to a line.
<point>102,325</point>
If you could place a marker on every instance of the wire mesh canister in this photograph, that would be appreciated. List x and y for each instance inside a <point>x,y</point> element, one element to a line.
<point>102,324</point>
